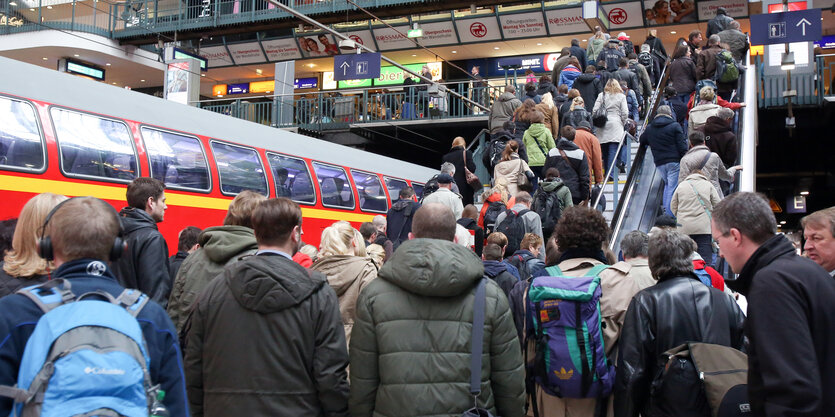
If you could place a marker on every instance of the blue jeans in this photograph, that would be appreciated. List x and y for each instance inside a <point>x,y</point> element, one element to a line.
<point>669,172</point>
<point>609,151</point>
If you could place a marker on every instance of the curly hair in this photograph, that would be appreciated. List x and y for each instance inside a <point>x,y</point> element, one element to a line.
<point>581,227</point>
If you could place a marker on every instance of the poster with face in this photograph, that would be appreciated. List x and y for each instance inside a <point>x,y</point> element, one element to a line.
<point>318,45</point>
<point>663,12</point>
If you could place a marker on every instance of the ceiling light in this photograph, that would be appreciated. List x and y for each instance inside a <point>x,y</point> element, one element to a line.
<point>347,45</point>
<point>49,7</point>
<point>496,48</point>
<point>114,83</point>
<point>311,65</point>
<point>31,10</point>
<point>108,64</point>
<point>414,54</point>
<point>142,81</point>
<point>782,222</point>
<point>220,95</point>
<point>45,59</point>
<point>539,44</point>
<point>585,40</point>
<point>202,75</point>
<point>75,55</point>
<point>258,71</point>
<point>11,3</point>
<point>804,193</point>
<point>454,52</point>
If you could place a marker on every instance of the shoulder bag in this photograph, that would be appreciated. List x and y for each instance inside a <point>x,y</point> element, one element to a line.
<point>472,179</point>
<point>600,116</point>
<point>476,350</point>
<point>521,176</point>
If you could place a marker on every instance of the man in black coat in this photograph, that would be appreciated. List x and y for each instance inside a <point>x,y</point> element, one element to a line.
<point>399,216</point>
<point>579,52</point>
<point>719,23</point>
<point>589,87</point>
<point>720,137</point>
<point>791,315</point>
<point>631,78</point>
<point>666,139</point>
<point>145,266</point>
<point>186,244</point>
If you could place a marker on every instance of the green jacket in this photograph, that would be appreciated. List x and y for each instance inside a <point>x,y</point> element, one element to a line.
<point>219,246</point>
<point>537,138</point>
<point>410,347</point>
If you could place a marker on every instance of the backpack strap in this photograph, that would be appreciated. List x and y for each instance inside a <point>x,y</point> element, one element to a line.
<point>133,301</point>
<point>49,295</point>
<point>477,344</point>
<point>553,271</point>
<point>596,270</point>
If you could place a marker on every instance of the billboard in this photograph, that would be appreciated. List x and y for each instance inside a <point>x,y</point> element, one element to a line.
<point>281,49</point>
<point>479,29</point>
<point>566,21</point>
<point>523,25</point>
<point>247,53</point>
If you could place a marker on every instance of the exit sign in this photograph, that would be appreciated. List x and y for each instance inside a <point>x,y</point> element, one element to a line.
<point>414,33</point>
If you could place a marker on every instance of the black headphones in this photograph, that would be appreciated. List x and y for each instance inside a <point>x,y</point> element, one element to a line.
<point>46,251</point>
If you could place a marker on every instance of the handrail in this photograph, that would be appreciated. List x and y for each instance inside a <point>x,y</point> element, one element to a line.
<point>747,131</point>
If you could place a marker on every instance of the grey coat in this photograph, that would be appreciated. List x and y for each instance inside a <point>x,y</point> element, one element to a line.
<point>502,110</point>
<point>714,169</point>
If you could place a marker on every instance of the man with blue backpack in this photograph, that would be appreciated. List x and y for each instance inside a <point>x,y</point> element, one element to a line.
<point>81,344</point>
<point>570,367</point>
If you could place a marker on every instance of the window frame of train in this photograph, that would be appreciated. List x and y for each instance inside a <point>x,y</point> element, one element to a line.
<point>212,143</point>
<point>394,197</point>
<point>316,168</point>
<point>307,170</point>
<point>150,154</point>
<point>368,175</point>
<point>101,178</point>
<point>42,142</point>
<point>414,187</point>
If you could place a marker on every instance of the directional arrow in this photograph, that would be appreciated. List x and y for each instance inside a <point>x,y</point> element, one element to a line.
<point>804,22</point>
<point>346,65</point>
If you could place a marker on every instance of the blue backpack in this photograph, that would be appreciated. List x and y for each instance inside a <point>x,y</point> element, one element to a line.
<point>564,320</point>
<point>86,356</point>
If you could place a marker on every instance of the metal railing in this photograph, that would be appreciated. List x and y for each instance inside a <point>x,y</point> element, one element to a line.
<point>811,87</point>
<point>826,69</point>
<point>83,16</point>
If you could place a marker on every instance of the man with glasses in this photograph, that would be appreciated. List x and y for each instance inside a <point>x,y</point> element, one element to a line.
<point>791,315</point>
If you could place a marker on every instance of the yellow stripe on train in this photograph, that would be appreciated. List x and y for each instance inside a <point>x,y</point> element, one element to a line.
<point>107,192</point>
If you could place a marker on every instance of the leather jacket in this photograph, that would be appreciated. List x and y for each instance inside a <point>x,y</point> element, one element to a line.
<point>676,310</point>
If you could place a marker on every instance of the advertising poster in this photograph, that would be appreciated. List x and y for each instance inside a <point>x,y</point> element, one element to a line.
<point>389,39</point>
<point>479,29</point>
<point>523,25</point>
<point>281,49</point>
<point>318,45</point>
<point>438,33</point>
<point>328,81</point>
<point>392,75</point>
<point>176,82</point>
<point>566,21</point>
<point>735,8</point>
<point>665,12</point>
<point>624,15</point>
<point>362,37</point>
<point>247,53</point>
<point>218,56</point>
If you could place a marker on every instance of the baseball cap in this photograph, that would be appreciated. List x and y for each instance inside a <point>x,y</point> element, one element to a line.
<point>445,179</point>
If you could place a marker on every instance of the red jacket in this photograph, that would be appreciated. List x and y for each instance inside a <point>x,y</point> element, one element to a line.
<point>716,280</point>
<point>719,100</point>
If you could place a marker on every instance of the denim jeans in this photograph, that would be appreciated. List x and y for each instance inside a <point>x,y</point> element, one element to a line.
<point>669,172</point>
<point>609,151</point>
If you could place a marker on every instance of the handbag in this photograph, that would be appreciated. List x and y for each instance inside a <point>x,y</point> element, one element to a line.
<point>472,179</point>
<point>477,346</point>
<point>600,116</point>
<point>521,176</point>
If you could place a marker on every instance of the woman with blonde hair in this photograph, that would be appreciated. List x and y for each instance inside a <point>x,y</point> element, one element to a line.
<point>342,258</point>
<point>22,266</point>
<point>460,157</point>
<point>613,101</point>
<point>577,113</point>
<point>512,167</point>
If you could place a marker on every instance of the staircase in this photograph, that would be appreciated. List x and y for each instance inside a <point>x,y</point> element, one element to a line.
<point>609,187</point>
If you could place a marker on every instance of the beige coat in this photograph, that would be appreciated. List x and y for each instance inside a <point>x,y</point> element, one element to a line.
<point>617,291</point>
<point>509,170</point>
<point>347,275</point>
<point>640,273</point>
<point>714,169</point>
<point>689,211</point>
<point>552,119</point>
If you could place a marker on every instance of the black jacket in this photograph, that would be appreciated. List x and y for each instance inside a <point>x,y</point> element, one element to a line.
<point>719,23</point>
<point>574,117</point>
<point>174,262</point>
<point>497,271</point>
<point>683,75</point>
<point>665,138</point>
<point>399,221</point>
<point>456,157</point>
<point>580,53</point>
<point>656,46</point>
<point>589,87</point>
<point>266,339</point>
<point>632,81</point>
<point>790,330</point>
<point>505,136</point>
<point>574,172</point>
<point>673,311</point>
<point>145,264</point>
<point>10,284</point>
<point>611,56</point>
<point>547,87</point>
<point>720,138</point>
<point>471,224</point>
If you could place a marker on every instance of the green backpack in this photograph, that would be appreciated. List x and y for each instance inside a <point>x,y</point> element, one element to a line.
<point>726,69</point>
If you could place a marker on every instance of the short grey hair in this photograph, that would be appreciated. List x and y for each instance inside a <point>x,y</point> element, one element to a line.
<point>820,218</point>
<point>379,222</point>
<point>713,40</point>
<point>669,254</point>
<point>510,88</point>
<point>524,197</point>
<point>725,113</point>
<point>635,244</point>
<point>448,168</point>
<point>747,212</point>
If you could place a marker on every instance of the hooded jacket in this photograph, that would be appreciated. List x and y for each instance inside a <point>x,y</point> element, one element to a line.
<point>219,246</point>
<point>410,350</point>
<point>692,200</point>
<point>399,220</point>
<point>719,23</point>
<point>504,136</point>
<point>538,139</point>
<point>720,138</point>
<point>555,185</point>
<point>574,172</point>
<point>594,48</point>
<point>674,311</point>
<point>510,171</point>
<point>502,110</point>
<point>265,339</point>
<point>737,42</point>
<point>533,96</point>
<point>589,87</point>
<point>552,118</point>
<point>569,74</point>
<point>547,87</point>
<point>791,331</point>
<point>666,139</point>
<point>145,265</point>
<point>347,275</point>
<point>497,271</point>
<point>643,76</point>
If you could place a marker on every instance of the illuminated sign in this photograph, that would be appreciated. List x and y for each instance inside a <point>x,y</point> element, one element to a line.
<point>302,83</point>
<point>219,90</point>
<point>262,87</point>
<point>793,6</point>
<point>241,88</point>
<point>414,33</point>
<point>392,75</point>
<point>180,54</point>
<point>354,83</point>
<point>87,70</point>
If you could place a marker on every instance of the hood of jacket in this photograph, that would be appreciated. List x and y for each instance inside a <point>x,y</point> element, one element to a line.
<point>401,204</point>
<point>585,79</point>
<point>343,270</point>
<point>433,267</point>
<point>221,243</point>
<point>467,222</point>
<point>494,268</point>
<point>134,219</point>
<point>560,98</point>
<point>502,135</point>
<point>708,107</point>
<point>662,121</point>
<point>552,185</point>
<point>531,94</point>
<point>716,124</point>
<point>772,249</point>
<point>270,283</point>
<point>537,130</point>
<point>567,145</point>
<point>505,97</point>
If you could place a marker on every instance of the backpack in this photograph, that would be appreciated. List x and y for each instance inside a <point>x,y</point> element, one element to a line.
<point>701,84</point>
<point>547,206</point>
<point>645,59</point>
<point>493,210</point>
<point>86,356</point>
<point>726,69</point>
<point>565,323</point>
<point>521,264</point>
<point>702,379</point>
<point>513,226</point>
<point>430,187</point>
<point>495,151</point>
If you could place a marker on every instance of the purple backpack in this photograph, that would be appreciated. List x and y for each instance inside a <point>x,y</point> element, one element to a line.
<point>564,320</point>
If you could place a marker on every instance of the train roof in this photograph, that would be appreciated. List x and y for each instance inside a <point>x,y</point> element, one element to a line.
<point>54,87</point>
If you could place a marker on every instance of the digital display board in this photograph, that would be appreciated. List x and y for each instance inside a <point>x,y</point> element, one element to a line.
<point>301,83</point>
<point>180,54</point>
<point>242,88</point>
<point>87,70</point>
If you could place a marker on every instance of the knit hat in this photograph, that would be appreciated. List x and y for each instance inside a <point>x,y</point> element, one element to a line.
<point>664,111</point>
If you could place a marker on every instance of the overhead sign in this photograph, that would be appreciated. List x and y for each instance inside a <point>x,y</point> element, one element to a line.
<point>356,67</point>
<point>566,21</point>
<point>624,15</point>
<point>734,8</point>
<point>523,25</point>
<point>480,29</point>
<point>218,56</point>
<point>247,53</point>
<point>262,87</point>
<point>787,27</point>
<point>281,49</point>
<point>302,83</point>
<point>826,42</point>
<point>392,38</point>
<point>414,33</point>
<point>76,67</point>
<point>796,204</point>
<point>438,33</point>
<point>181,54</point>
<point>242,88</point>
<point>362,37</point>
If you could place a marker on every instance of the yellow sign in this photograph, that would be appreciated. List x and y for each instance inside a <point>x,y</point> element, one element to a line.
<point>775,206</point>
<point>262,87</point>
<point>219,90</point>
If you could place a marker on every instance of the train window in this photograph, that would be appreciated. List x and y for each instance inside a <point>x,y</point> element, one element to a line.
<point>239,168</point>
<point>418,189</point>
<point>20,138</point>
<point>394,186</point>
<point>92,146</point>
<point>336,190</point>
<point>176,160</point>
<point>370,190</point>
<point>292,179</point>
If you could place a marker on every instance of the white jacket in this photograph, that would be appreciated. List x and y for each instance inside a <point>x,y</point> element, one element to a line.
<point>447,198</point>
<point>690,211</point>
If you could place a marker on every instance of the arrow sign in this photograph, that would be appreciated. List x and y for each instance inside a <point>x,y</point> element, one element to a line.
<point>786,27</point>
<point>356,67</point>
